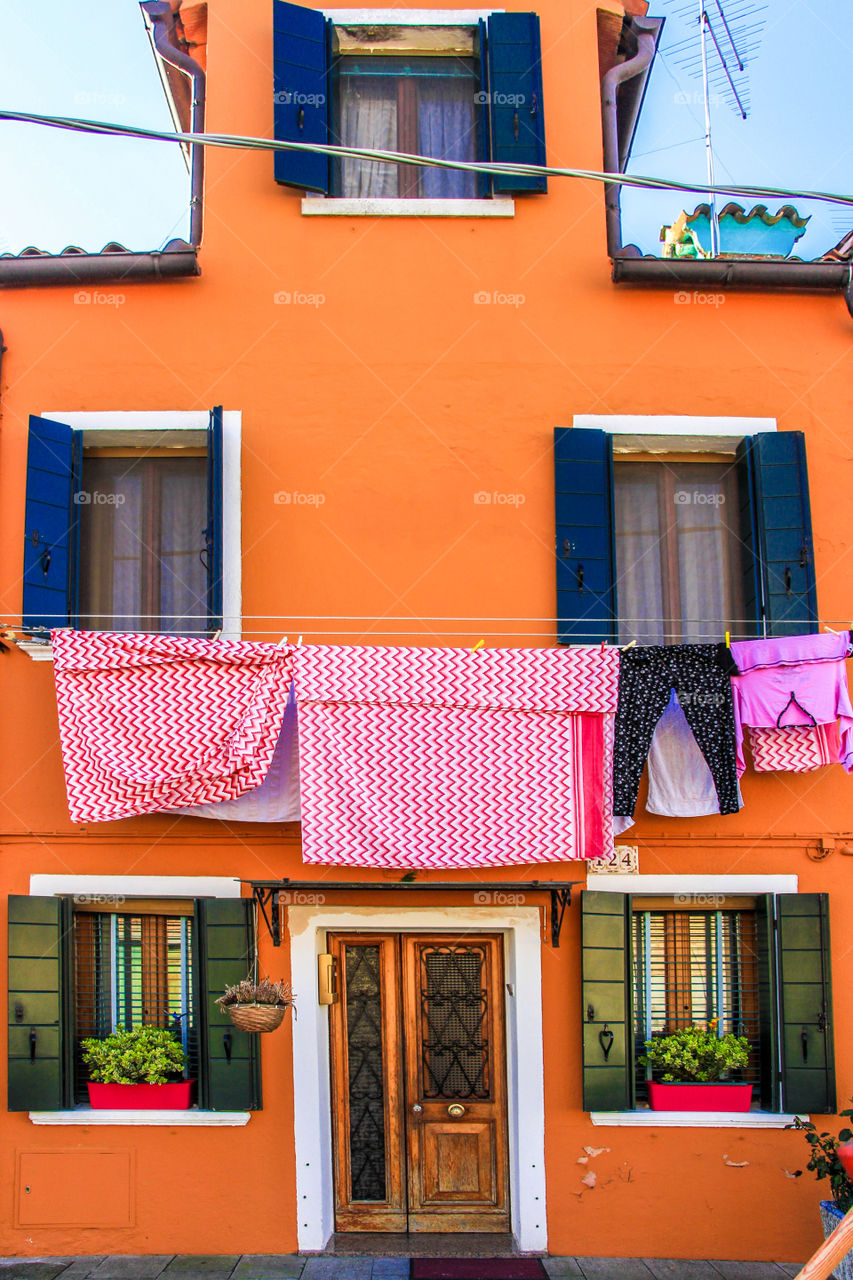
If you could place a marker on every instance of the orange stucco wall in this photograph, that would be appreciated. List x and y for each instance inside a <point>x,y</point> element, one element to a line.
<point>397,399</point>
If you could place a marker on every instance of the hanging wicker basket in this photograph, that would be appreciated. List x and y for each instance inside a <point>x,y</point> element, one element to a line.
<point>257,1017</point>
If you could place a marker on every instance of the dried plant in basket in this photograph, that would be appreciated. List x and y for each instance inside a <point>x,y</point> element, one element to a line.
<point>257,1005</point>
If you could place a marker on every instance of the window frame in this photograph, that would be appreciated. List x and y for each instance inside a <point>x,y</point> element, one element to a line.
<point>113,894</point>
<point>495,204</point>
<point>634,888</point>
<point>136,428</point>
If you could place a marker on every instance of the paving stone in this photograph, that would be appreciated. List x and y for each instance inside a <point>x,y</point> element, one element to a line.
<point>560,1267</point>
<point>269,1266</point>
<point>338,1269</point>
<point>212,1266</point>
<point>31,1268</point>
<point>390,1269</point>
<point>749,1270</point>
<point>681,1269</point>
<point>82,1268</point>
<point>132,1266</point>
<point>614,1269</point>
<point>791,1268</point>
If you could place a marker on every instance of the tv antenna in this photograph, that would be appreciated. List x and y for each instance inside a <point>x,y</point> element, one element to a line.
<point>730,34</point>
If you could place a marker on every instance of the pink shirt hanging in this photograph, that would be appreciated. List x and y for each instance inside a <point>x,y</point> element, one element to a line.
<point>788,682</point>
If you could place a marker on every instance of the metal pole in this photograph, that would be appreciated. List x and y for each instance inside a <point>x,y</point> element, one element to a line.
<point>709,153</point>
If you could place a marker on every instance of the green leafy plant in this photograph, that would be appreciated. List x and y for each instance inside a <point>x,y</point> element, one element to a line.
<point>145,1055</point>
<point>824,1161</point>
<point>696,1054</point>
<point>263,992</point>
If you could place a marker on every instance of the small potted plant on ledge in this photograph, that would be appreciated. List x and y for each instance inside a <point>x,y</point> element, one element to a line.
<point>257,1005</point>
<point>832,1158</point>
<point>691,1070</point>
<point>140,1069</point>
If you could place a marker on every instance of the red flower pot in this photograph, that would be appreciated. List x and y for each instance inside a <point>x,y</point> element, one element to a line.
<point>667,1095</point>
<point>141,1097</point>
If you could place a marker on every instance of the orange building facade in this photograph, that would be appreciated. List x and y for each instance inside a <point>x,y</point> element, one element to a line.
<point>391,386</point>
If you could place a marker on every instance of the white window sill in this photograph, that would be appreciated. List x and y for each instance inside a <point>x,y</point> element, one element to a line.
<point>330,207</point>
<point>172,1119</point>
<point>694,1119</point>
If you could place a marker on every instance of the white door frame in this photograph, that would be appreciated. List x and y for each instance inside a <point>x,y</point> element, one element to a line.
<point>521,927</point>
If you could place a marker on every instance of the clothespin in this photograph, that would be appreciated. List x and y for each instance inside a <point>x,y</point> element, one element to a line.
<point>832,630</point>
<point>478,645</point>
<point>282,642</point>
<point>629,645</point>
<point>216,634</point>
<point>603,645</point>
<point>299,641</point>
<point>728,639</point>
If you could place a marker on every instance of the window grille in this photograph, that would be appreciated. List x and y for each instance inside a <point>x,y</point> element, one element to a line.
<point>689,968</point>
<point>132,971</point>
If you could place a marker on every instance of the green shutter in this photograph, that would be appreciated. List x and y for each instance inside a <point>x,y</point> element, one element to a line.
<point>608,1082</point>
<point>230,1062</point>
<point>35,1004</point>
<point>805,1003</point>
<point>768,1021</point>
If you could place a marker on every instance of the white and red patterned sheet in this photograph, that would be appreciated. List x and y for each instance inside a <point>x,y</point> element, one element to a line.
<point>152,722</point>
<point>447,759</point>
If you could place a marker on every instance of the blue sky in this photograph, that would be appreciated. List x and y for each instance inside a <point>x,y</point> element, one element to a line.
<point>798,131</point>
<point>61,188</point>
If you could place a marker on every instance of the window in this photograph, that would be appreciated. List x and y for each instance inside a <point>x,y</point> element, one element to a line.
<point>672,550</point>
<point>123,534</point>
<point>399,94</point>
<point>760,965</point>
<point>451,91</point>
<point>133,970</point>
<point>79,968</point>
<point>693,966</point>
<point>677,550</point>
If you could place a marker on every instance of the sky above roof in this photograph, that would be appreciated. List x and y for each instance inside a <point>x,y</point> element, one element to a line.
<point>796,87</point>
<point>61,188</point>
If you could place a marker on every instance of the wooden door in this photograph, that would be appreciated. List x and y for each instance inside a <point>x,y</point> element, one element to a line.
<point>419,1083</point>
<point>455,1084</point>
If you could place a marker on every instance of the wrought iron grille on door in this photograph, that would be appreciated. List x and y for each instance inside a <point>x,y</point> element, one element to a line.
<point>454,1008</point>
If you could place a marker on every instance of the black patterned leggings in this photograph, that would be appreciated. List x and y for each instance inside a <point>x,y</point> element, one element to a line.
<point>700,675</point>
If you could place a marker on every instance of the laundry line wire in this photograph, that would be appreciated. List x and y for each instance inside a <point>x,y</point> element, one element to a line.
<point>249,142</point>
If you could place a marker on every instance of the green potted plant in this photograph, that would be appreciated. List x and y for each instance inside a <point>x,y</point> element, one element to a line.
<point>691,1070</point>
<point>140,1068</point>
<point>257,1004</point>
<point>826,1160</point>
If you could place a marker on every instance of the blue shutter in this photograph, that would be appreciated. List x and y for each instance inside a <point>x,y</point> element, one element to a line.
<point>515,98</point>
<point>300,94</point>
<point>213,530</point>
<point>586,586</point>
<point>783,548</point>
<point>51,528</point>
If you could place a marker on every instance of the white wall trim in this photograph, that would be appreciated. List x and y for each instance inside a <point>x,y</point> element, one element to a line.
<point>391,207</point>
<point>693,1119</point>
<point>654,424</point>
<point>173,1119</point>
<point>232,512</point>
<point>411,17</point>
<point>122,887</point>
<point>692,886</point>
<point>525,1068</point>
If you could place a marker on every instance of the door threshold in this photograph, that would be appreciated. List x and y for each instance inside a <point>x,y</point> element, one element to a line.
<point>422,1244</point>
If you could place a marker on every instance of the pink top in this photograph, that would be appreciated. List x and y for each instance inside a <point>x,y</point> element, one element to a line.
<point>793,680</point>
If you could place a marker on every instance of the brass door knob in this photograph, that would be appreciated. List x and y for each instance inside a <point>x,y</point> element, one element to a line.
<point>456,1109</point>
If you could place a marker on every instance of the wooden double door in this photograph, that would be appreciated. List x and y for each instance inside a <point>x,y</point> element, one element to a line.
<point>419,1083</point>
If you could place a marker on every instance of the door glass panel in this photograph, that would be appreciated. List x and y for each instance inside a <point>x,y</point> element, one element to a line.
<point>454,1008</point>
<point>366,1084</point>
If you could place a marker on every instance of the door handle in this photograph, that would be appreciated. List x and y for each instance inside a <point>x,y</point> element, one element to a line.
<point>456,1109</point>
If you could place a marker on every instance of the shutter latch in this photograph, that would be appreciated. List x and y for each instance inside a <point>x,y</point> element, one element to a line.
<point>823,1020</point>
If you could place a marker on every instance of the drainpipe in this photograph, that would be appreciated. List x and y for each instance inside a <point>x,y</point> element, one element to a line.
<point>159,13</point>
<point>646,31</point>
